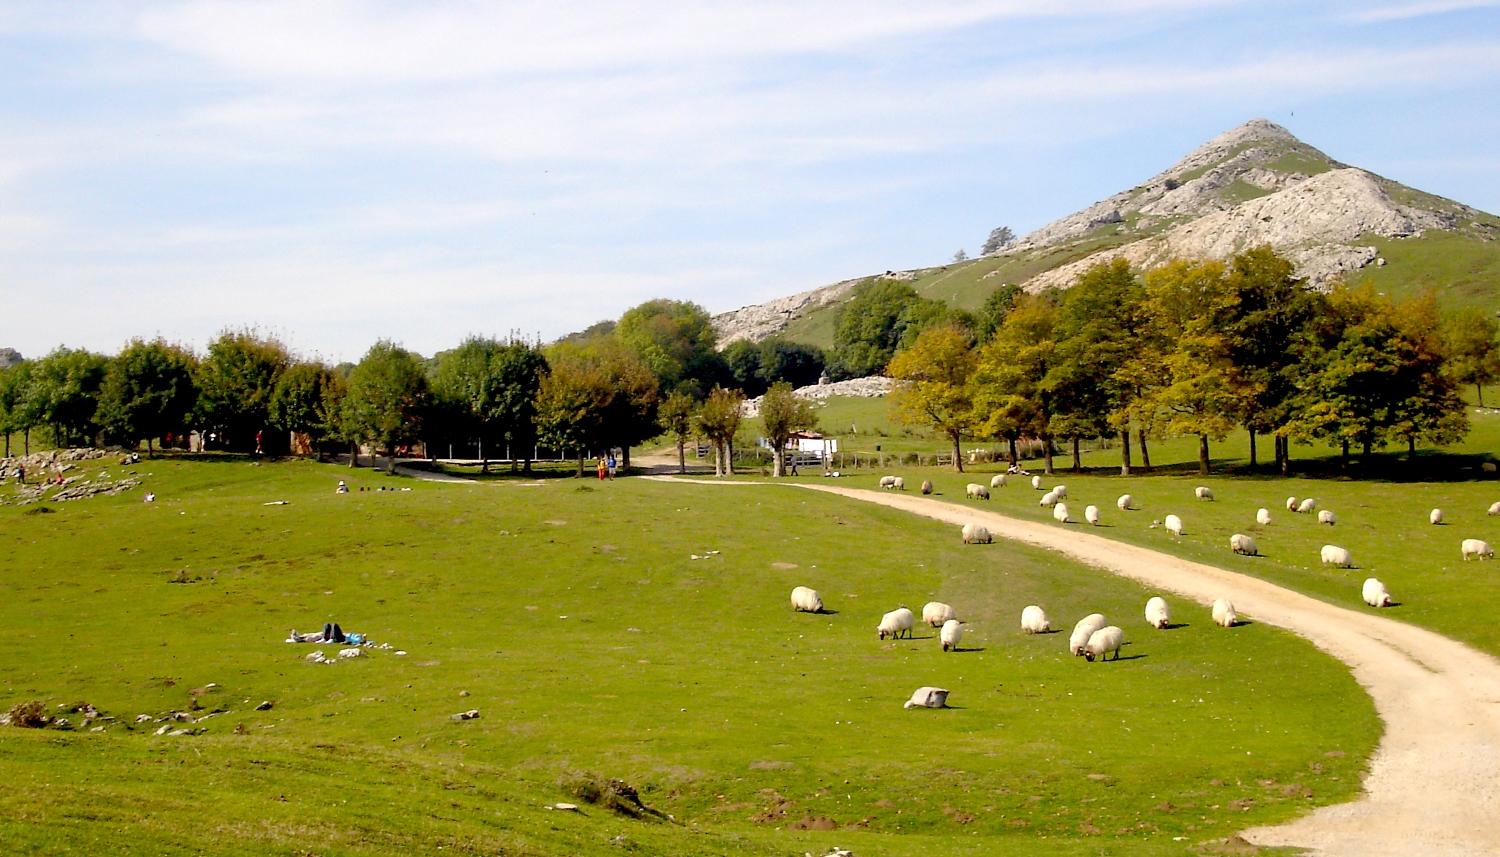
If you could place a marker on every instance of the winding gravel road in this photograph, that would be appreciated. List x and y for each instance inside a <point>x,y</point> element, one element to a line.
<point>1434,783</point>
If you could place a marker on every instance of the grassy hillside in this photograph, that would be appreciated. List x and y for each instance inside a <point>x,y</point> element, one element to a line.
<point>630,629</point>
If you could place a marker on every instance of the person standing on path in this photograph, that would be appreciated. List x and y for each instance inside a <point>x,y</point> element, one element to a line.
<point>611,464</point>
<point>601,468</point>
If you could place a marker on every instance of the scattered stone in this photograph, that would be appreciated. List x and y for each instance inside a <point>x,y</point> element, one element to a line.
<point>471,714</point>
<point>264,706</point>
<point>351,653</point>
<point>566,807</point>
<point>163,730</point>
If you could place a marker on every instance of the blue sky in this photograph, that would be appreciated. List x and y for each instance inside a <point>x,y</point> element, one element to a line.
<point>335,172</point>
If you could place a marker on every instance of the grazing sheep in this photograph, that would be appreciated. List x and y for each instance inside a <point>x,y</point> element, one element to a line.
<point>1488,467</point>
<point>928,697</point>
<point>807,600</point>
<point>1125,502</point>
<point>1338,556</point>
<point>1263,517</point>
<point>1477,547</point>
<point>950,635</point>
<point>1174,525</point>
<point>1061,491</point>
<point>1307,505</point>
<point>1494,509</point>
<point>898,484</point>
<point>887,481</point>
<point>1091,514</point>
<point>1327,517</point>
<point>1036,482</point>
<point>935,613</point>
<point>1060,513</point>
<point>1048,499</point>
<point>1157,614</point>
<point>1034,620</point>
<point>1224,614</point>
<point>895,622</point>
<point>1083,630</point>
<point>1104,641</point>
<point>976,534</point>
<point>1435,516</point>
<point>1291,504</point>
<point>1243,544</point>
<point>998,480</point>
<point>926,486</point>
<point>975,491</point>
<point>1376,594</point>
<point>1203,493</point>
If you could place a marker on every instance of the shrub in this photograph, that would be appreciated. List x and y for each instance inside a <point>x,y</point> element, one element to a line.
<point>28,715</point>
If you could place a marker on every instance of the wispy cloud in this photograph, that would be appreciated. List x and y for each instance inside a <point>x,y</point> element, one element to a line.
<point>1426,8</point>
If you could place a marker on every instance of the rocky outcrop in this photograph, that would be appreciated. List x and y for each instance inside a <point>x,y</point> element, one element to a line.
<point>871,387</point>
<point>761,321</point>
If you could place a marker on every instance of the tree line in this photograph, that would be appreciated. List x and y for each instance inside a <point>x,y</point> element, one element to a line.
<point>1194,349</point>
<point>614,385</point>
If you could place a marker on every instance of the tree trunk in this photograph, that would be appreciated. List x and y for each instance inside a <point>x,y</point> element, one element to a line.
<point>1047,455</point>
<point>625,459</point>
<point>1125,452</point>
<point>1014,459</point>
<point>150,453</point>
<point>1203,454</point>
<point>27,437</point>
<point>778,461</point>
<point>1344,454</point>
<point>729,457</point>
<point>353,455</point>
<point>1077,461</point>
<point>1479,388</point>
<point>1286,456</point>
<point>958,454</point>
<point>1411,449</point>
<point>7,443</point>
<point>1145,452</point>
<point>1364,450</point>
<point>1252,448</point>
<point>681,457</point>
<point>580,464</point>
<point>484,463</point>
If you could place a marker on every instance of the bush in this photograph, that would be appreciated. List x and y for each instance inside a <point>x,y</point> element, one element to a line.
<point>28,715</point>
<point>617,796</point>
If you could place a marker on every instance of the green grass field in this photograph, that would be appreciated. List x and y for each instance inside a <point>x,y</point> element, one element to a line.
<point>572,615</point>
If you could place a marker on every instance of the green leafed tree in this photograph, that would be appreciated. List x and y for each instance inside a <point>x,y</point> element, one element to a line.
<point>1097,334</point>
<point>676,340</point>
<point>597,396</point>
<point>718,421</point>
<point>783,414</point>
<point>63,392</point>
<point>1473,353</point>
<point>15,415</point>
<point>386,400</point>
<point>306,401</point>
<point>676,417</point>
<point>495,385</point>
<point>999,237</point>
<point>934,389</point>
<point>870,325</point>
<point>148,392</point>
<point>236,380</point>
<point>1010,389</point>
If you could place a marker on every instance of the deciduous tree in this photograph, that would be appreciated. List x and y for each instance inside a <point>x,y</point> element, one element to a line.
<point>718,421</point>
<point>935,391</point>
<point>386,399</point>
<point>236,381</point>
<point>782,414</point>
<point>148,392</point>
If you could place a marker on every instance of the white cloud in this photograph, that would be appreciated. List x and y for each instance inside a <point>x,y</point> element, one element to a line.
<point>1428,8</point>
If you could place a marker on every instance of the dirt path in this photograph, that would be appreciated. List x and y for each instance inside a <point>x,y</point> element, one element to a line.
<point>1434,783</point>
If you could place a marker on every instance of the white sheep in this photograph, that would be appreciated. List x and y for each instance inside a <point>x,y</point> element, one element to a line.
<point>1048,499</point>
<point>1326,516</point>
<point>807,600</point>
<point>1307,505</point>
<point>1494,509</point>
<point>1091,514</point>
<point>1104,641</point>
<point>1125,502</point>
<point>1036,482</point>
<point>998,480</point>
<point>1435,516</point>
<point>898,484</point>
<point>1477,547</point>
<point>895,622</point>
<point>926,486</point>
<point>1157,614</point>
<point>1243,544</point>
<point>1291,504</point>
<point>928,697</point>
<point>935,613</point>
<point>976,534</point>
<point>1224,614</point>
<point>1263,517</point>
<point>950,635</point>
<point>1488,467</point>
<point>1034,620</point>
<point>1060,513</point>
<point>1376,594</point>
<point>1174,525</point>
<point>1061,491</point>
<point>887,481</point>
<point>975,491</point>
<point>1337,556</point>
<point>1083,630</point>
<point>1203,493</point>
